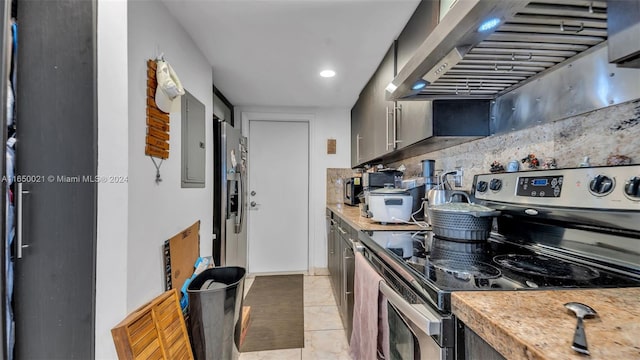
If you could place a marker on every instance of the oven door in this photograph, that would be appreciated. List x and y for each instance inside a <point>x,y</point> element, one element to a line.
<point>410,329</point>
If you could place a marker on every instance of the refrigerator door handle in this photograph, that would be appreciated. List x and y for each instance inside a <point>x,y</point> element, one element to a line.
<point>241,200</point>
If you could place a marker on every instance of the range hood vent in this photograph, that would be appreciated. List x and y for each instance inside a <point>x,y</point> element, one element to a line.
<point>457,60</point>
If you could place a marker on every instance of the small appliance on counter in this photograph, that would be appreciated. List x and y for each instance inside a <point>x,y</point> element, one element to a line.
<point>416,189</point>
<point>441,194</point>
<point>429,174</point>
<point>376,180</point>
<point>352,188</point>
<point>390,205</point>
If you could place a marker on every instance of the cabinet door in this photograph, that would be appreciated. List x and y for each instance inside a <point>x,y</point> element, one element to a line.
<point>359,134</point>
<point>348,271</point>
<point>333,256</point>
<point>414,122</point>
<point>419,26</point>
<point>414,117</point>
<point>371,116</point>
<point>330,235</point>
<point>337,263</point>
<point>365,136</point>
<point>382,110</point>
<point>54,294</point>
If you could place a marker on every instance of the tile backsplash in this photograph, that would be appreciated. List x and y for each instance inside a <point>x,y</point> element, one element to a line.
<point>335,184</point>
<point>599,134</point>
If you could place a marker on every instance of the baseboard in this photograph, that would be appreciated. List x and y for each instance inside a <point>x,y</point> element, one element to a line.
<point>319,271</point>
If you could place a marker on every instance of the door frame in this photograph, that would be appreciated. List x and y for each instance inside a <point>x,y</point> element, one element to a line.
<point>309,118</point>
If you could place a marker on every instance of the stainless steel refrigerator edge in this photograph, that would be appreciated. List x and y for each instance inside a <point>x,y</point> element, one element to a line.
<point>229,204</point>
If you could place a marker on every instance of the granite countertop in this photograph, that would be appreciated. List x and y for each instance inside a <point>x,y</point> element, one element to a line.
<point>536,325</point>
<point>352,215</point>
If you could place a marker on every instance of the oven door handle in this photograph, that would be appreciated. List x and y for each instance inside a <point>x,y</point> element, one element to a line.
<point>419,314</point>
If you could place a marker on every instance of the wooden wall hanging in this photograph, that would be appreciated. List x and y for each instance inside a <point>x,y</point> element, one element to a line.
<point>157,141</point>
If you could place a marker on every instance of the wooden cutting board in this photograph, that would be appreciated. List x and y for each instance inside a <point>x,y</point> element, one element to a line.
<point>156,330</point>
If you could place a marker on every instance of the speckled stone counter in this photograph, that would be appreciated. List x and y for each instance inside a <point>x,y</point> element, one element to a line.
<point>352,215</point>
<point>536,325</point>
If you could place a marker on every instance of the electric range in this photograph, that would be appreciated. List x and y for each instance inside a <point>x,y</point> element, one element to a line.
<point>561,228</point>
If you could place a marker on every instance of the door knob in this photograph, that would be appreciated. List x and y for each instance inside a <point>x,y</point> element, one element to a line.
<point>253,193</point>
<point>253,204</point>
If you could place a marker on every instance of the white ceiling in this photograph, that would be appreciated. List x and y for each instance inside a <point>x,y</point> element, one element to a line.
<point>270,52</point>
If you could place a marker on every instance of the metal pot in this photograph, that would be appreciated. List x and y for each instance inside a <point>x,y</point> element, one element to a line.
<point>438,197</point>
<point>462,221</point>
<point>461,275</point>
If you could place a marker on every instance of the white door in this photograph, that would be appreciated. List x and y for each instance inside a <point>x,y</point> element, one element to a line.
<point>278,196</point>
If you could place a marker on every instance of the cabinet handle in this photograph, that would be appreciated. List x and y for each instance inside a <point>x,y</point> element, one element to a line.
<point>358,147</point>
<point>19,220</point>
<point>395,126</point>
<point>387,119</point>
<point>344,275</point>
<point>342,230</point>
<point>389,143</point>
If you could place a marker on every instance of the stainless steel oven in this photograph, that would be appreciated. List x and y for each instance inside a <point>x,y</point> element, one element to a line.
<point>558,229</point>
<point>416,330</point>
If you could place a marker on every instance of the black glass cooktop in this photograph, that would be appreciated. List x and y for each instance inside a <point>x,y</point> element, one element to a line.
<point>441,266</point>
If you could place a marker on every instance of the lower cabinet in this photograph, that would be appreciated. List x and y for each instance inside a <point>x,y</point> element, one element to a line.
<point>348,269</point>
<point>470,346</point>
<point>341,264</point>
<point>333,255</point>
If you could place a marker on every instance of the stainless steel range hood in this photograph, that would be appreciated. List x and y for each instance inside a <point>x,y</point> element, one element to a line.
<point>458,60</point>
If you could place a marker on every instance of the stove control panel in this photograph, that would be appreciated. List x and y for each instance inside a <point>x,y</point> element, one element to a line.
<point>632,188</point>
<point>601,185</point>
<point>604,187</point>
<point>539,186</point>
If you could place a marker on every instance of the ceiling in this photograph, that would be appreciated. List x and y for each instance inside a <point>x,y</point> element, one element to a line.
<point>270,52</point>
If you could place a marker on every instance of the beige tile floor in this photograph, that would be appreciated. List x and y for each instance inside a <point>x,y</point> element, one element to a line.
<point>324,337</point>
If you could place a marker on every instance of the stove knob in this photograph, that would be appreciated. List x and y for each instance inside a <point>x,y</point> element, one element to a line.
<point>495,184</point>
<point>632,187</point>
<point>481,186</point>
<point>601,185</point>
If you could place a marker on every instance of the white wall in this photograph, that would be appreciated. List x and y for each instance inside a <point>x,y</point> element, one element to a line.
<point>159,211</point>
<point>113,155</point>
<point>325,123</point>
<point>331,124</point>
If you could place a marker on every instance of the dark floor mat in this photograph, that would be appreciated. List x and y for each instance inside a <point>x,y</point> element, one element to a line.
<point>277,314</point>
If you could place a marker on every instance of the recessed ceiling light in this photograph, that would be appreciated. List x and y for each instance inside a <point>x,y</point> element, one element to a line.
<point>327,73</point>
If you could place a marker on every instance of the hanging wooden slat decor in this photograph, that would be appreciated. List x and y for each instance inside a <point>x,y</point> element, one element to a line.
<point>157,140</point>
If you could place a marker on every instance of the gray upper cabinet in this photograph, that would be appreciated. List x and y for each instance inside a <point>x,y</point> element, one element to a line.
<point>419,26</point>
<point>362,128</point>
<point>383,109</point>
<point>372,116</point>
<point>357,116</point>
<point>389,131</point>
<point>414,117</point>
